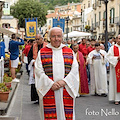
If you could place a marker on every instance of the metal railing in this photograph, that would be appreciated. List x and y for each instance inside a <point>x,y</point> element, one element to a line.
<point>98,24</point>
<point>104,23</point>
<point>117,20</point>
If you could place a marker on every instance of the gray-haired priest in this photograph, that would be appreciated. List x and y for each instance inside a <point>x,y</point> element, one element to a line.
<point>57,79</point>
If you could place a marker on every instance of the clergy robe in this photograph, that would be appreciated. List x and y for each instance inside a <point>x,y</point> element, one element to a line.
<point>98,72</point>
<point>32,55</point>
<point>31,78</point>
<point>44,83</point>
<point>83,50</point>
<point>83,82</point>
<point>113,94</point>
<point>89,49</point>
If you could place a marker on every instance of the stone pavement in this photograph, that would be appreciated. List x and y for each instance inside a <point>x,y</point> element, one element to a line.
<point>96,108</point>
<point>87,107</point>
<point>21,106</point>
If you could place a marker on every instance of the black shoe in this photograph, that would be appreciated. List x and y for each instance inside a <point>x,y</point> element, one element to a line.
<point>104,95</point>
<point>96,94</point>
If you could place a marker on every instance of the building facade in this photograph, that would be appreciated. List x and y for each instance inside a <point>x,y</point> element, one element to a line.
<point>97,19</point>
<point>72,10</point>
<point>86,10</point>
<point>8,21</point>
<point>89,16</point>
<point>1,8</point>
<point>77,21</point>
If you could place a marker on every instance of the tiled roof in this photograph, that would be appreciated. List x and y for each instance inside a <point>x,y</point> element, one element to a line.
<point>53,15</point>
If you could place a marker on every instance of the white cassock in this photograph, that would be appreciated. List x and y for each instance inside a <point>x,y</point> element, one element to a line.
<point>31,78</point>
<point>44,84</point>
<point>113,95</point>
<point>98,72</point>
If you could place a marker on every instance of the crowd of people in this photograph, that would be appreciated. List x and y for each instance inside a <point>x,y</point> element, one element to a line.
<point>59,72</point>
<point>98,63</point>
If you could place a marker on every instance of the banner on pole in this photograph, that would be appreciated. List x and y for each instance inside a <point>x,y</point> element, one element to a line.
<point>59,22</point>
<point>30,28</point>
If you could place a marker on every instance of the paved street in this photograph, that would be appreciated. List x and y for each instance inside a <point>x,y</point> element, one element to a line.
<point>87,107</point>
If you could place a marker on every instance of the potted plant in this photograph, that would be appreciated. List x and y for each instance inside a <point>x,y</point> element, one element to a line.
<point>87,27</point>
<point>4,92</point>
<point>7,80</point>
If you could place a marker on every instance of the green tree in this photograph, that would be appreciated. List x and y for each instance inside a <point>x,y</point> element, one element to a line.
<point>29,9</point>
<point>52,3</point>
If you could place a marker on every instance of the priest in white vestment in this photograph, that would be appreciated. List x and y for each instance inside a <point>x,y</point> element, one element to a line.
<point>114,60</point>
<point>45,84</point>
<point>98,73</point>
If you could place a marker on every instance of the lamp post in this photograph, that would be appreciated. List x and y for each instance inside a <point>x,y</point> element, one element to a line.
<point>67,19</point>
<point>106,27</point>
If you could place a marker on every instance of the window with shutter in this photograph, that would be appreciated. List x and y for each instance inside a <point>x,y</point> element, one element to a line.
<point>112,15</point>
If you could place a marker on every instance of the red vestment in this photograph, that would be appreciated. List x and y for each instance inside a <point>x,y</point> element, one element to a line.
<point>117,68</point>
<point>83,50</point>
<point>83,89</point>
<point>89,49</point>
<point>26,50</point>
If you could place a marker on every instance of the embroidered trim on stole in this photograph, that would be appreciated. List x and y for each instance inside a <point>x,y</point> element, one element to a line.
<point>49,99</point>
<point>117,68</point>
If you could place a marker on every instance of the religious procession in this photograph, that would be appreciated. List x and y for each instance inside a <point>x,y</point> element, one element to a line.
<point>56,74</point>
<point>60,71</point>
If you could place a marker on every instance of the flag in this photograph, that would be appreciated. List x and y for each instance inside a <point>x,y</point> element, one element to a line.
<point>30,28</point>
<point>59,22</point>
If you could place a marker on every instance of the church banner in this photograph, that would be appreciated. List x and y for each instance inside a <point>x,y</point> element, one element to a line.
<point>59,22</point>
<point>30,28</point>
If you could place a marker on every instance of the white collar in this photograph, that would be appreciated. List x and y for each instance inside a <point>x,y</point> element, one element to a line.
<point>50,46</point>
<point>117,45</point>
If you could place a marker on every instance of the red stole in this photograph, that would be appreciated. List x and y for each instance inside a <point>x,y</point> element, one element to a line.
<point>35,50</point>
<point>49,98</point>
<point>117,68</point>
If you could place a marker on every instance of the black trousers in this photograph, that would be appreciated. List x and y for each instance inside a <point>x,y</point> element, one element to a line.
<point>34,95</point>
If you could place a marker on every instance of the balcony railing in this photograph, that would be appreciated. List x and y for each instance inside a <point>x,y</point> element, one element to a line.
<point>77,17</point>
<point>94,6</point>
<point>93,28</point>
<point>99,3</point>
<point>117,20</point>
<point>112,20</point>
<point>77,25</point>
<point>104,23</point>
<point>98,24</point>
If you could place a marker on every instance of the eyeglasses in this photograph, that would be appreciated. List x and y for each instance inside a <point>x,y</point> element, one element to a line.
<point>37,39</point>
